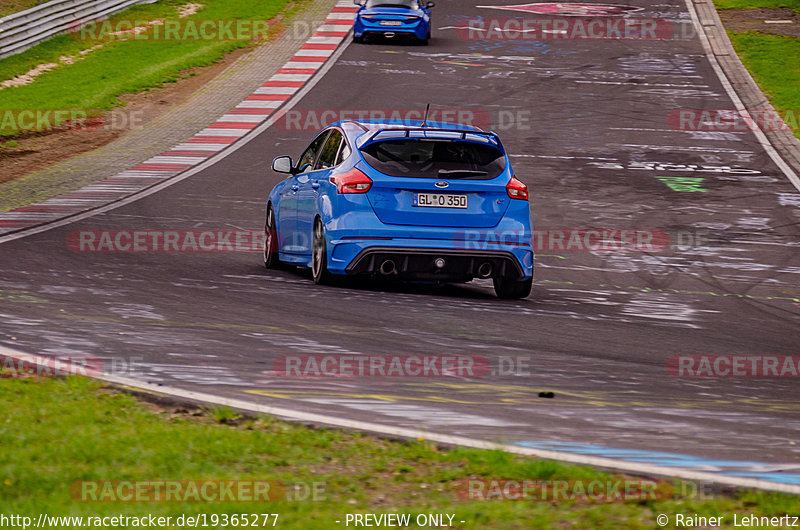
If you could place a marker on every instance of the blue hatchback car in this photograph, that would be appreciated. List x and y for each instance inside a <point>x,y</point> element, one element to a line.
<point>393,19</point>
<point>434,202</point>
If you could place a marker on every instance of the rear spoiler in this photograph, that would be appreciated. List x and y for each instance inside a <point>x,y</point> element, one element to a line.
<point>491,136</point>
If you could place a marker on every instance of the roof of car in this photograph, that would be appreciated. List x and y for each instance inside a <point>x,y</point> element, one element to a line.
<point>374,125</point>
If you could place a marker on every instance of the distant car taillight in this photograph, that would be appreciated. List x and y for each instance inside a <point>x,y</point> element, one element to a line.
<point>353,181</point>
<point>517,189</point>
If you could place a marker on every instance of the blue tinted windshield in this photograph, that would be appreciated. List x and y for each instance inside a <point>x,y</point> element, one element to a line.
<point>407,4</point>
<point>432,158</point>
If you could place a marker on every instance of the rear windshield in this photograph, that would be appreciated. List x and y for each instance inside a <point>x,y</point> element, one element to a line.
<point>408,4</point>
<point>435,159</point>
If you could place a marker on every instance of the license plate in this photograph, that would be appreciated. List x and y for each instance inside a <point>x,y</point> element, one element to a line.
<point>391,23</point>
<point>440,200</point>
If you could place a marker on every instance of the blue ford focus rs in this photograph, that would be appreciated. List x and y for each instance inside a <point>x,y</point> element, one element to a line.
<point>393,19</point>
<point>433,202</point>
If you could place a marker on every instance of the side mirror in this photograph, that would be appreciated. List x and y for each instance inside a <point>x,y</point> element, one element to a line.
<point>359,2</point>
<point>283,164</point>
<point>430,5</point>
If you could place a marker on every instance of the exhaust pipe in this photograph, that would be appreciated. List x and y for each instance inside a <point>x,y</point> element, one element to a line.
<point>387,267</point>
<point>485,270</point>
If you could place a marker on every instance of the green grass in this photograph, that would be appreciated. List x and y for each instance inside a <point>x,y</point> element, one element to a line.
<point>7,7</point>
<point>122,67</point>
<point>57,431</point>
<point>774,62</point>
<point>752,4</point>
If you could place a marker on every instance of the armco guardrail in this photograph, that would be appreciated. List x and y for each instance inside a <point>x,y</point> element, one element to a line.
<point>25,29</point>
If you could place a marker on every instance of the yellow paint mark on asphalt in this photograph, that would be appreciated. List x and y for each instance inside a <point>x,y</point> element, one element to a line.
<point>469,386</point>
<point>459,64</point>
<point>341,330</point>
<point>140,390</point>
<point>512,395</point>
<point>21,297</point>
<point>290,394</point>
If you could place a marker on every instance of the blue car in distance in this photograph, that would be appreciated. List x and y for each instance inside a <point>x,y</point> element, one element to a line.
<point>416,201</point>
<point>393,19</point>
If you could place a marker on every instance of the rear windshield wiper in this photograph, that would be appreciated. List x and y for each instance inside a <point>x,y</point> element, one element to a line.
<point>461,173</point>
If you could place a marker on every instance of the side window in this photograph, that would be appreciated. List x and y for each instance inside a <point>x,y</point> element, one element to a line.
<point>344,152</point>
<point>307,159</point>
<point>327,159</point>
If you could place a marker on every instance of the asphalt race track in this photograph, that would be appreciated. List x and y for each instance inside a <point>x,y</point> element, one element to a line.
<point>587,123</point>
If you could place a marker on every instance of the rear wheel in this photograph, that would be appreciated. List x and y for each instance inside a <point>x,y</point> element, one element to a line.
<point>509,289</point>
<point>271,241</point>
<point>319,256</point>
<point>358,40</point>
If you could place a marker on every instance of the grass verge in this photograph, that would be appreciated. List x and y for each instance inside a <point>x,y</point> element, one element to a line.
<point>92,81</point>
<point>8,7</point>
<point>755,4</point>
<point>772,60</point>
<point>56,431</point>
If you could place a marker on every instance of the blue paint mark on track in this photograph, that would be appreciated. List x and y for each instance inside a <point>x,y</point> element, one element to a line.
<point>783,478</point>
<point>733,468</point>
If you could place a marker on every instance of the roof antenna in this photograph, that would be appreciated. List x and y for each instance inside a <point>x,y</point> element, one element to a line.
<point>425,121</point>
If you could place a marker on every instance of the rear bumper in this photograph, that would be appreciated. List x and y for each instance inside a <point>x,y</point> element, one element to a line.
<point>421,264</point>
<point>417,30</point>
<point>417,260</point>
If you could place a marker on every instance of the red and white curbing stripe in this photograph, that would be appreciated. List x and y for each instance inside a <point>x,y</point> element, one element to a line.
<point>229,128</point>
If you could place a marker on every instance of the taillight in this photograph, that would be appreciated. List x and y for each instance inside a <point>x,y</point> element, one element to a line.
<point>517,189</point>
<point>353,181</point>
<point>411,18</point>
